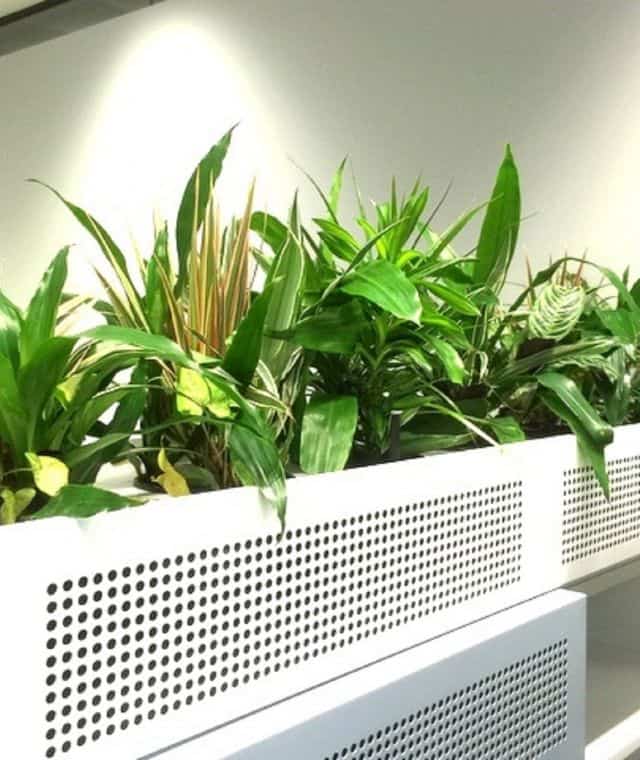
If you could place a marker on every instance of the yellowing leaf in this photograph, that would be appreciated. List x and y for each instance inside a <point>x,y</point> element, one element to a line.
<point>219,404</point>
<point>50,474</point>
<point>171,480</point>
<point>193,392</point>
<point>66,390</point>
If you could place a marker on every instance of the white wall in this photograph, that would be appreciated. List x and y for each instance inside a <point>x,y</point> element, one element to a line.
<point>117,115</point>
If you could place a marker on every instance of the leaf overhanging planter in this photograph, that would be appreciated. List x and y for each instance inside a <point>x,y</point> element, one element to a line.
<point>128,632</point>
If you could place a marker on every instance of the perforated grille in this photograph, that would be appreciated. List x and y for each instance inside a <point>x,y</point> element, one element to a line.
<point>590,523</point>
<point>131,644</point>
<point>518,712</point>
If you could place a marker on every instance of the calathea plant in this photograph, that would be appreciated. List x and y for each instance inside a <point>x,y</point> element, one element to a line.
<point>204,414</point>
<point>523,361</point>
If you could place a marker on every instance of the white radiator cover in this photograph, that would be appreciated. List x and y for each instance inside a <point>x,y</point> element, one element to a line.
<point>126,633</point>
<point>510,686</point>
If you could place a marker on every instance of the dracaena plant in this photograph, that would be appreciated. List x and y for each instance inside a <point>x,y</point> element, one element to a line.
<point>378,320</point>
<point>205,412</point>
<point>51,398</point>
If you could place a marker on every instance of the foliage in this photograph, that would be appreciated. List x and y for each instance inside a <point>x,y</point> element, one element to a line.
<point>52,395</point>
<point>203,409</point>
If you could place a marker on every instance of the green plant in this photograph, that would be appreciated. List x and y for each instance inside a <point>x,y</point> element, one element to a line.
<point>51,399</point>
<point>377,320</point>
<point>204,409</point>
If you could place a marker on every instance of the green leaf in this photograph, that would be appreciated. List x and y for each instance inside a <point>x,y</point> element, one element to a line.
<point>334,330</point>
<point>499,233</point>
<point>41,315</point>
<point>10,327</point>
<point>386,286</point>
<point>195,199</point>
<point>242,355</point>
<point>156,304</point>
<point>112,253</point>
<point>256,462</point>
<point>620,323</point>
<point>37,383</point>
<point>451,296</point>
<point>328,428</point>
<point>450,358</point>
<point>571,396</point>
<point>286,279</point>
<point>506,429</point>
<point>84,501</point>
<point>270,229</point>
<point>592,451</point>
<point>12,412</point>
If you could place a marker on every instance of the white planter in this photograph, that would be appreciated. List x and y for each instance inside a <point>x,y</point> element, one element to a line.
<point>510,686</point>
<point>158,623</point>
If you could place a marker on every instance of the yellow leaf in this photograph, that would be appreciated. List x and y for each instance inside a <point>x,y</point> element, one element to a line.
<point>14,504</point>
<point>50,474</point>
<point>219,404</point>
<point>171,480</point>
<point>66,390</point>
<point>192,390</point>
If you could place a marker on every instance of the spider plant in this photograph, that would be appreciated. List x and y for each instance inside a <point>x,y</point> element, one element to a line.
<point>49,405</point>
<point>203,305</point>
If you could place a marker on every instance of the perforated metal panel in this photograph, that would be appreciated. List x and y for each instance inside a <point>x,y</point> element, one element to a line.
<point>508,687</point>
<point>590,523</point>
<point>132,644</point>
<point>519,711</point>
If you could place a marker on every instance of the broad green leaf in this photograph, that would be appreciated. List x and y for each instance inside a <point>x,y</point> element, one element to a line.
<point>256,462</point>
<point>10,327</point>
<point>335,330</point>
<point>386,286</point>
<point>242,356</point>
<point>84,501</point>
<point>506,429</point>
<point>450,358</point>
<point>12,412</point>
<point>41,315</point>
<point>328,428</point>
<point>286,279</point>
<point>49,474</point>
<point>170,480</point>
<point>195,199</point>
<point>499,233</point>
<point>270,229</point>
<point>619,323</point>
<point>37,383</point>
<point>592,451</point>
<point>452,296</point>
<point>339,242</point>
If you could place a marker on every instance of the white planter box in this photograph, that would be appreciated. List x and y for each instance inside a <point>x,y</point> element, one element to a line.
<point>511,686</point>
<point>128,632</point>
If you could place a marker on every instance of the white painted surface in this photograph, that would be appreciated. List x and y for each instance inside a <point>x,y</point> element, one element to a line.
<point>341,712</point>
<point>11,6</point>
<point>117,115</point>
<point>374,561</point>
